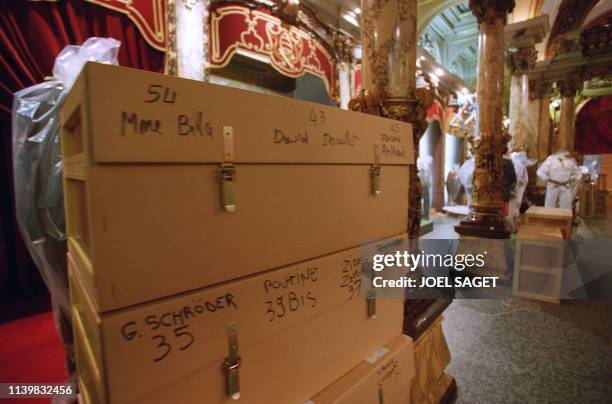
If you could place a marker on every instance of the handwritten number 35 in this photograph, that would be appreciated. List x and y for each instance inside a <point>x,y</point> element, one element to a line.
<point>165,347</point>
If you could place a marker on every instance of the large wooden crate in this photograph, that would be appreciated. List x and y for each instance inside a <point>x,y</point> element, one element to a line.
<point>538,264</point>
<point>296,330</point>
<point>166,175</point>
<point>554,217</point>
<point>383,377</point>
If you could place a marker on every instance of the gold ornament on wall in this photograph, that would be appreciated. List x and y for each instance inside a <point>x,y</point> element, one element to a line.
<point>189,4</point>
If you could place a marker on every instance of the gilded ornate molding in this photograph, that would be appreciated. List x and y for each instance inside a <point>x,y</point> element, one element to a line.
<point>598,83</point>
<point>171,61</point>
<point>291,50</point>
<point>570,15</point>
<point>522,61</point>
<point>563,44</point>
<point>486,11</point>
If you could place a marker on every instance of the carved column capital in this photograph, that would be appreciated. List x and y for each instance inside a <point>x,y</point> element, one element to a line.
<point>539,89</point>
<point>486,11</point>
<point>569,86</point>
<point>521,61</point>
<point>343,46</point>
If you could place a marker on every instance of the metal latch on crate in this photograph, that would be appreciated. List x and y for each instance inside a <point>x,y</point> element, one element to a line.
<point>227,175</point>
<point>375,170</point>
<point>227,171</point>
<point>231,366</point>
<point>371,301</point>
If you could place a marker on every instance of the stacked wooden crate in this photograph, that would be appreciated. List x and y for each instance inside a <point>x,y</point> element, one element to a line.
<point>539,262</point>
<point>551,217</point>
<point>215,241</point>
<point>601,200</point>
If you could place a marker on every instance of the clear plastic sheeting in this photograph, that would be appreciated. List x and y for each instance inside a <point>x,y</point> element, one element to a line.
<point>466,177</point>
<point>37,168</point>
<point>520,162</point>
<point>424,166</point>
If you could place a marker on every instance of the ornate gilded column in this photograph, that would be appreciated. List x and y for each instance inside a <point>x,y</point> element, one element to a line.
<point>539,109</point>
<point>521,38</point>
<point>520,62</point>
<point>187,48</point>
<point>343,45</point>
<point>567,115</point>
<point>389,41</point>
<point>486,212</point>
<point>538,146</point>
<point>388,78</point>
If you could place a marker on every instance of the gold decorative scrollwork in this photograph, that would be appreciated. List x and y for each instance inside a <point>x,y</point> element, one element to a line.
<point>522,61</point>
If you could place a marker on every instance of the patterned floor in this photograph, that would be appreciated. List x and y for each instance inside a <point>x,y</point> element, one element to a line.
<point>521,351</point>
<point>524,351</point>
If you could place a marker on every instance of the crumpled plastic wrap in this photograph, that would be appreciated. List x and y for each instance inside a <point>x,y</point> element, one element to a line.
<point>466,177</point>
<point>424,165</point>
<point>37,169</point>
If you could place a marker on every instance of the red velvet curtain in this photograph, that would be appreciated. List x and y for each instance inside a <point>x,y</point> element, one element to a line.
<point>594,126</point>
<point>31,36</point>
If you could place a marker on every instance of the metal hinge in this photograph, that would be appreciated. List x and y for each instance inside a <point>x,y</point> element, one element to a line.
<point>231,366</point>
<point>227,171</point>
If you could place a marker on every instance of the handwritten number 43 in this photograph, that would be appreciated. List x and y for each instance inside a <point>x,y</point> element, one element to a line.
<point>317,116</point>
<point>165,347</point>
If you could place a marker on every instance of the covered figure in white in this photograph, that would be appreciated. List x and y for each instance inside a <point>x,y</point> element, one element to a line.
<point>562,175</point>
<point>466,176</point>
<point>424,165</point>
<point>520,162</point>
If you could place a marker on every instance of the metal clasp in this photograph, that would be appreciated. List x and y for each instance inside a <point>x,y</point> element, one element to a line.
<point>227,171</point>
<point>232,363</point>
<point>227,175</point>
<point>375,174</point>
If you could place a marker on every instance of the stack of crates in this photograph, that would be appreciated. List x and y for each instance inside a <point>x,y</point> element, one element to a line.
<point>215,244</point>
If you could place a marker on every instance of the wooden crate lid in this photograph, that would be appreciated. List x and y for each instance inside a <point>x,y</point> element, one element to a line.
<point>135,116</point>
<point>549,212</point>
<point>537,232</point>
